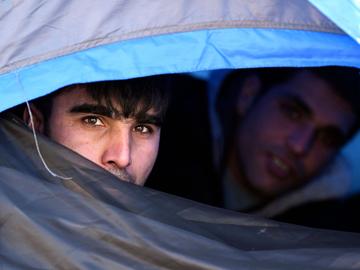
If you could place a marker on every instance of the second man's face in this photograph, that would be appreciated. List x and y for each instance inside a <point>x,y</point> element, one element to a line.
<point>124,146</point>
<point>291,133</point>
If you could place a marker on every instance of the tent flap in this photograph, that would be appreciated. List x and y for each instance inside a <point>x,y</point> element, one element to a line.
<point>96,221</point>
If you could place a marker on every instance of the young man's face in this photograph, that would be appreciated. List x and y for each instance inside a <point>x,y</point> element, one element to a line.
<point>126,147</point>
<point>290,133</point>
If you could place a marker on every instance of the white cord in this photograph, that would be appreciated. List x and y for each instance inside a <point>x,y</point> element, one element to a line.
<point>38,148</point>
<point>35,137</point>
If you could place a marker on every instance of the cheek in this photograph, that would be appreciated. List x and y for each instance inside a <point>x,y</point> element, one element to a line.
<point>318,159</point>
<point>259,131</point>
<point>151,149</point>
<point>60,133</point>
<point>273,128</point>
<point>75,139</point>
<point>145,153</point>
<point>143,161</point>
<point>263,121</point>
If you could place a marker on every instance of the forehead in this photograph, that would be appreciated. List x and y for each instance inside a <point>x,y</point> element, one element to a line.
<point>77,95</point>
<point>72,97</point>
<point>325,105</point>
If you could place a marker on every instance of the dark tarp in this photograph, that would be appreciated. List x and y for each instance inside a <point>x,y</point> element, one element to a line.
<point>95,221</point>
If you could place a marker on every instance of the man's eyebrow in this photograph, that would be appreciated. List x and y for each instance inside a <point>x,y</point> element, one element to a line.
<point>300,103</point>
<point>98,109</point>
<point>149,119</point>
<point>94,109</point>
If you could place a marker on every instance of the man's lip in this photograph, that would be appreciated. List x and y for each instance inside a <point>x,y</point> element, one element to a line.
<point>279,167</point>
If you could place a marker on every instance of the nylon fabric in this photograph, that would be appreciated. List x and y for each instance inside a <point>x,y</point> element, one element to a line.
<point>126,39</point>
<point>58,28</point>
<point>95,221</point>
<point>210,49</point>
<point>346,14</point>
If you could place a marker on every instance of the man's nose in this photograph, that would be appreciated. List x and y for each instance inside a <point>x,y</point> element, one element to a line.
<point>301,140</point>
<point>118,151</point>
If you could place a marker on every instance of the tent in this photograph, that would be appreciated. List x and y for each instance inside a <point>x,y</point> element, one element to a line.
<point>90,220</point>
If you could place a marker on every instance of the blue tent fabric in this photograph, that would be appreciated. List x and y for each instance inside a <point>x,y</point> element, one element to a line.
<point>210,49</point>
<point>345,13</point>
<point>58,49</point>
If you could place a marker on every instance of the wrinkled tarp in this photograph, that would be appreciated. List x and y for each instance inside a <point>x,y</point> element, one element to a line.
<point>95,221</point>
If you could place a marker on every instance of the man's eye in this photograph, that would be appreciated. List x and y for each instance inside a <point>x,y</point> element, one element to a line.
<point>292,111</point>
<point>92,121</point>
<point>330,140</point>
<point>143,129</point>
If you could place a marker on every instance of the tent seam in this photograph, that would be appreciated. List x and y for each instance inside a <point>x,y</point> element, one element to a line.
<point>164,31</point>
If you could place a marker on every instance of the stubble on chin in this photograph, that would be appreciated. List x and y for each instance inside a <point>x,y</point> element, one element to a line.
<point>122,174</point>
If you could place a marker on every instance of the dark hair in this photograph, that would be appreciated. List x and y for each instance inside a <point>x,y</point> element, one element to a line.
<point>134,96</point>
<point>344,80</point>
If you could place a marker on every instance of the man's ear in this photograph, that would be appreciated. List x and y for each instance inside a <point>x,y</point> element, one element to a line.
<point>37,117</point>
<point>248,93</point>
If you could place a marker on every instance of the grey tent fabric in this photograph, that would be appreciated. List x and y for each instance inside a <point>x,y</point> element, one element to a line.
<point>46,45</point>
<point>95,221</point>
<point>57,27</point>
